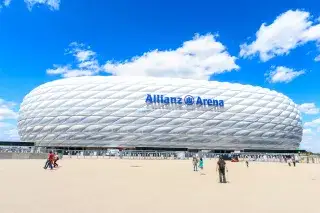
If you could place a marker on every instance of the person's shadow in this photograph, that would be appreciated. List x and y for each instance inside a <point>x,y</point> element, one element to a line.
<point>225,182</point>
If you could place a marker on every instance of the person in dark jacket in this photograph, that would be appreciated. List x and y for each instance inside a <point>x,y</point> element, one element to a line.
<point>294,161</point>
<point>222,168</point>
<point>195,163</point>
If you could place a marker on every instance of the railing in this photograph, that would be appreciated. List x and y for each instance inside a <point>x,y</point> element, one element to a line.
<point>20,155</point>
<point>162,155</point>
<point>153,155</point>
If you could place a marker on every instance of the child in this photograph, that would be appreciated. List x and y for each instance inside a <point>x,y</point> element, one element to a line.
<point>201,164</point>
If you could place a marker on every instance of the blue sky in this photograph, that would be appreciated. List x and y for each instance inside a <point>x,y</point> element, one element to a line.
<point>273,45</point>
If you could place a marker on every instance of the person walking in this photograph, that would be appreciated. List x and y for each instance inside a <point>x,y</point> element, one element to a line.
<point>289,161</point>
<point>247,163</point>
<point>49,161</point>
<point>222,168</point>
<point>195,163</point>
<point>294,161</point>
<point>56,158</point>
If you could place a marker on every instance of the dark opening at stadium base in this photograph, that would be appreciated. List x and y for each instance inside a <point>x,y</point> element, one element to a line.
<point>274,151</point>
<point>13,143</point>
<point>165,149</point>
<point>219,150</point>
<point>159,149</point>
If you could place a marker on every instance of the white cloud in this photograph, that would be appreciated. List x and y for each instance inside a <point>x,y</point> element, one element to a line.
<point>6,113</point>
<point>8,116</point>
<point>197,59</point>
<point>307,131</point>
<point>283,74</point>
<point>80,51</point>
<point>309,108</point>
<point>6,110</point>
<point>311,142</point>
<point>317,58</point>
<point>8,132</point>
<point>86,62</point>
<point>288,30</point>
<point>314,123</point>
<point>6,2</point>
<point>52,4</point>
<point>311,136</point>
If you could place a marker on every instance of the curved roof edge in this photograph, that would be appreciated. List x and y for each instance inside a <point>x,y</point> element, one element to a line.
<point>165,79</point>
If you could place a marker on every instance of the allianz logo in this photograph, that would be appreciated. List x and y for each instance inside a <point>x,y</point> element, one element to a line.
<point>187,100</point>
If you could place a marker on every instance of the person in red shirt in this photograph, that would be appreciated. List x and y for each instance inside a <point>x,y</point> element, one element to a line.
<point>49,161</point>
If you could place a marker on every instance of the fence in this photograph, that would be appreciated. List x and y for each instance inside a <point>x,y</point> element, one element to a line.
<point>17,155</point>
<point>154,155</point>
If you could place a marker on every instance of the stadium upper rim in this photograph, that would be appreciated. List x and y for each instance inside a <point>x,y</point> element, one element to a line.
<point>201,83</point>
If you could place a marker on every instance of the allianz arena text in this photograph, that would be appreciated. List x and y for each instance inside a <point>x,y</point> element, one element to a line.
<point>113,111</point>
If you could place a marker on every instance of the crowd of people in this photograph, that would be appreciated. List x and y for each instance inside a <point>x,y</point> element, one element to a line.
<point>270,158</point>
<point>15,149</point>
<point>221,166</point>
<point>198,162</point>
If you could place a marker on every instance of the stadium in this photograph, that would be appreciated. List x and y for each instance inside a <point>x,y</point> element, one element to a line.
<point>158,113</point>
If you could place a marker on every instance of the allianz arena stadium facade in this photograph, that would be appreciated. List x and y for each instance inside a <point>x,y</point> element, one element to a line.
<point>113,111</point>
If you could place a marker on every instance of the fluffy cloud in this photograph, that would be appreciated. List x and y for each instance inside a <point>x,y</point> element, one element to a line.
<point>311,136</point>
<point>6,110</point>
<point>283,74</point>
<point>8,116</point>
<point>197,59</point>
<point>86,62</point>
<point>311,142</point>
<point>309,108</point>
<point>52,4</point>
<point>288,30</point>
<point>4,3</point>
<point>314,123</point>
<point>8,132</point>
<point>307,131</point>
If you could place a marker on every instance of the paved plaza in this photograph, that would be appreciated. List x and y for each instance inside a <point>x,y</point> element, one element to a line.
<point>154,186</point>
